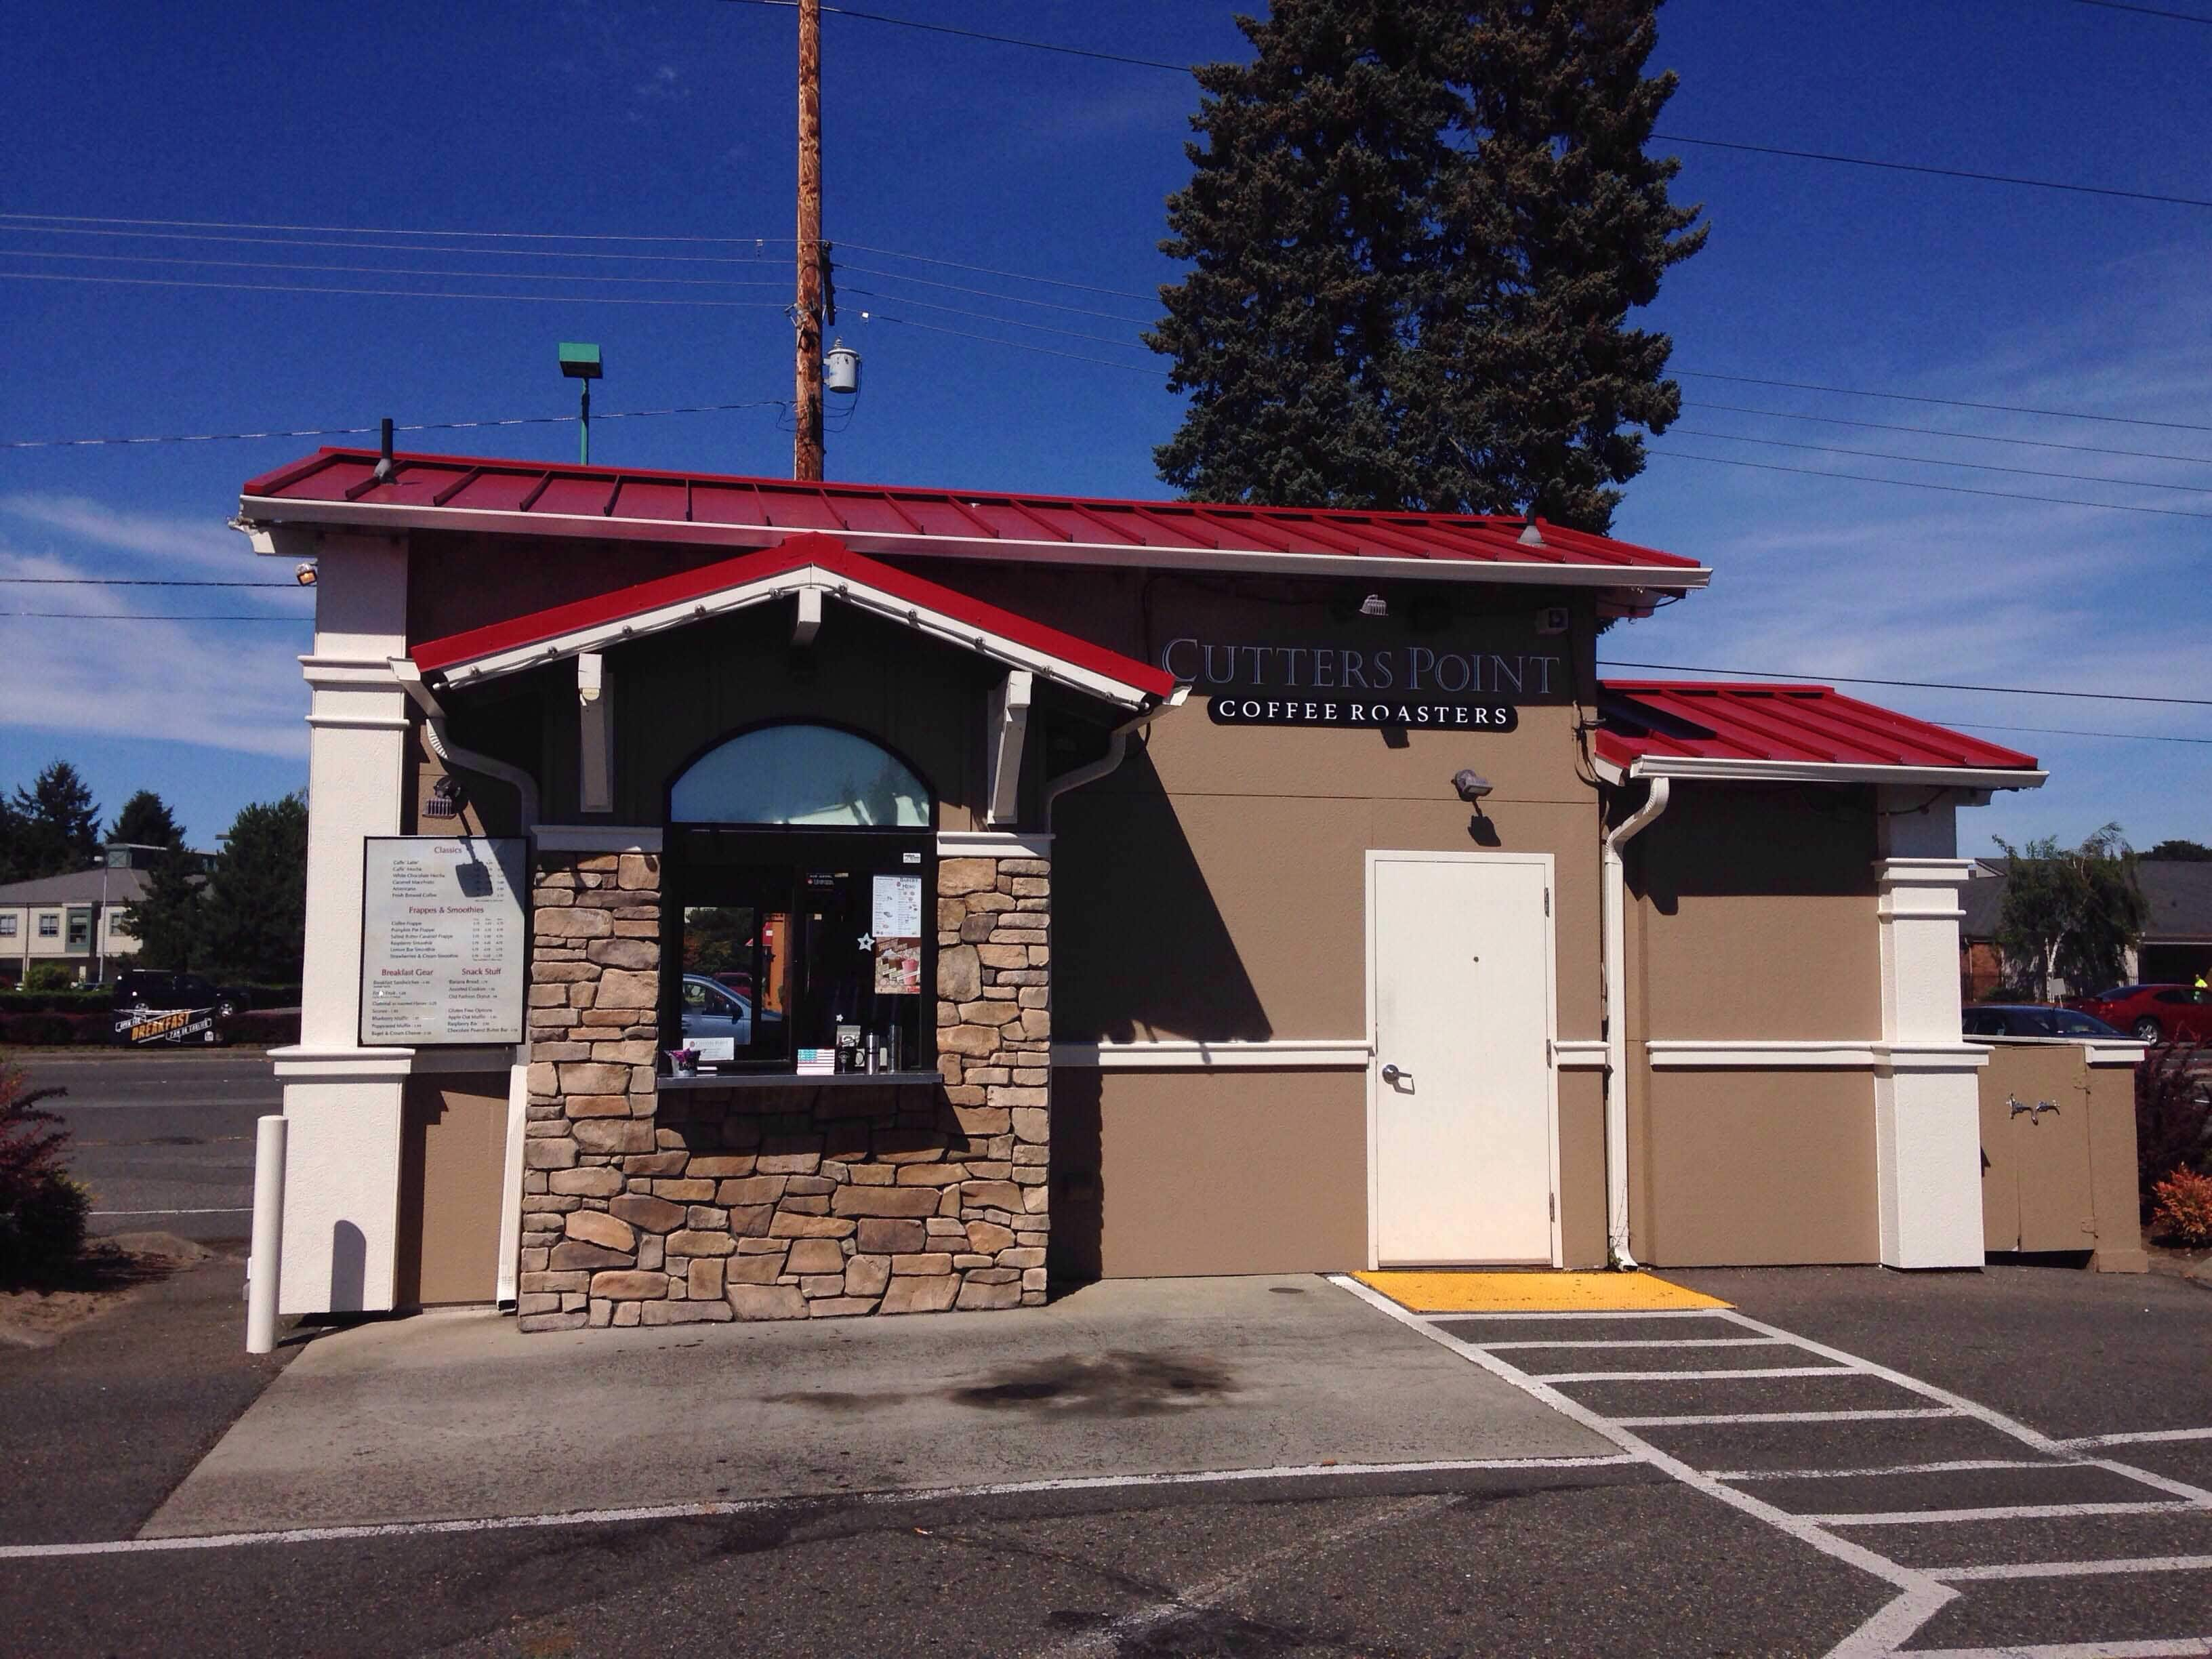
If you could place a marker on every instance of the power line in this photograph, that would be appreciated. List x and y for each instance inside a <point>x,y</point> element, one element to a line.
<point>133,581</point>
<point>991,294</point>
<point>415,426</point>
<point>385,271</point>
<point>1935,171</point>
<point>991,271</point>
<point>1948,403</point>
<point>1945,432</point>
<point>1919,685</point>
<point>974,34</point>
<point>373,230</point>
<point>1023,345</point>
<point>1916,483</point>
<point>2073,731</point>
<point>389,247</point>
<point>383,293</point>
<point>142,615</point>
<point>1925,460</point>
<point>2145,11</point>
<point>985,316</point>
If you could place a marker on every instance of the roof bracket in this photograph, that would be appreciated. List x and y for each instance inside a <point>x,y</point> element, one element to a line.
<point>808,623</point>
<point>1002,740</point>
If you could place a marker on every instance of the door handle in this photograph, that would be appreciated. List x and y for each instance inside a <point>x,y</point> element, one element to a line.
<point>1391,1075</point>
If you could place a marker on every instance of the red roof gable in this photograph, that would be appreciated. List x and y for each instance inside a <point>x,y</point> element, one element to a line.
<point>340,486</point>
<point>676,600</point>
<point>1725,721</point>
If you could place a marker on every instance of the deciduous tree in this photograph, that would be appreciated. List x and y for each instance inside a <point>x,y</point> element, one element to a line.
<point>2071,913</point>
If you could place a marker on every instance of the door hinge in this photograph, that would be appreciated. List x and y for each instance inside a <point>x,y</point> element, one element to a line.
<point>1547,900</point>
<point>1555,1206</point>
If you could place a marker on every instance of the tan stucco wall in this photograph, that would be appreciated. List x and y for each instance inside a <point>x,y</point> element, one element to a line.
<point>1194,1176</point>
<point>1754,1169</point>
<point>1754,916</point>
<point>452,1158</point>
<point>1582,1168</point>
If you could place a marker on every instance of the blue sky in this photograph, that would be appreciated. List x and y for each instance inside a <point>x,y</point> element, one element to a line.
<point>571,119</point>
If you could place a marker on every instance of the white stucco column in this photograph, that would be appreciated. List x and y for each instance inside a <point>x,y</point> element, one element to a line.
<point>1927,1115</point>
<point>342,1170</point>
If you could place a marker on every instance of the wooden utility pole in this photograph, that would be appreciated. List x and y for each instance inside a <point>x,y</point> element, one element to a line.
<point>806,447</point>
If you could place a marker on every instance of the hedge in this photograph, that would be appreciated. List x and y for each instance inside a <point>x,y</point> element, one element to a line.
<point>98,999</point>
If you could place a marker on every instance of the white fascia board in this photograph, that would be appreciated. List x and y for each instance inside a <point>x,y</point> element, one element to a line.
<point>596,838</point>
<point>1699,768</point>
<point>907,544</point>
<point>799,578</point>
<point>1733,1053</point>
<point>993,844</point>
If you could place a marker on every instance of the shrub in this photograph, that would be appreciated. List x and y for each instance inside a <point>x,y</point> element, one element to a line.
<point>2173,1115</point>
<point>24,1030</point>
<point>270,1027</point>
<point>49,976</point>
<point>42,1211</point>
<point>2183,1211</point>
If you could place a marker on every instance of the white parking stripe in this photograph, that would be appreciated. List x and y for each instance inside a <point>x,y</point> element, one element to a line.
<point>1956,1466</point>
<point>2072,1569</point>
<point>2140,1437</point>
<point>1646,1342</point>
<point>2002,1512</point>
<point>1695,1377</point>
<point>248,1210</point>
<point>1697,1417</point>
<point>2177,1647</point>
<point>756,1505</point>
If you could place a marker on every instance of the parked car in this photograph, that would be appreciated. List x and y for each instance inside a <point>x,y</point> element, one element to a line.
<point>156,989</point>
<point>2153,1013</point>
<point>713,1011</point>
<point>2033,1020</point>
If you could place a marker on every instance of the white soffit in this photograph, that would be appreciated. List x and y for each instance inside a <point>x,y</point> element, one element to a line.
<point>1699,768</point>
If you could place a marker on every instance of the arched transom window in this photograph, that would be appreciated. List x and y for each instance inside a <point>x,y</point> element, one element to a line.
<point>798,775</point>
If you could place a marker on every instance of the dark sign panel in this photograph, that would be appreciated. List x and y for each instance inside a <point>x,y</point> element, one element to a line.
<point>144,1025</point>
<point>1399,714</point>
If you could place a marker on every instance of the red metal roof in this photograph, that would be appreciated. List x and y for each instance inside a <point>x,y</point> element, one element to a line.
<point>680,598</point>
<point>340,485</point>
<point>1727,721</point>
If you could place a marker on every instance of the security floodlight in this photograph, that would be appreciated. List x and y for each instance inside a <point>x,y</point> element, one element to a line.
<point>1471,785</point>
<point>580,361</point>
<point>304,573</point>
<point>1374,605</point>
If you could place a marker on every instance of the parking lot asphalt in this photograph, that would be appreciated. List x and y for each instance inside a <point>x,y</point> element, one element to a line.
<point>1622,1557</point>
<point>163,1137</point>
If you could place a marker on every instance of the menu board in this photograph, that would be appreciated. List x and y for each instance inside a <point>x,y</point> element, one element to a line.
<point>896,934</point>
<point>442,940</point>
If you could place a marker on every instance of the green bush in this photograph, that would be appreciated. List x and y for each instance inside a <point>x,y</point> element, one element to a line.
<point>49,976</point>
<point>44,1235</point>
<point>42,1211</point>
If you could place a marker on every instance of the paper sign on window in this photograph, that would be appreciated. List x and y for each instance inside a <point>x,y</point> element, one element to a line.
<point>896,922</point>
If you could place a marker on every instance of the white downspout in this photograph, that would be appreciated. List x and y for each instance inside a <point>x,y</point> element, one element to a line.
<point>1614,921</point>
<point>1117,746</point>
<point>508,1284</point>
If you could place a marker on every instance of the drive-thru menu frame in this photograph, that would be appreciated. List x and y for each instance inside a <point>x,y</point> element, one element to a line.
<point>444,940</point>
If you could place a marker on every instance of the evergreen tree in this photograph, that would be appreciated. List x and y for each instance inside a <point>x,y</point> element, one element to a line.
<point>1416,228</point>
<point>256,916</point>
<point>2181,851</point>
<point>55,824</point>
<point>146,821</point>
<point>170,923</point>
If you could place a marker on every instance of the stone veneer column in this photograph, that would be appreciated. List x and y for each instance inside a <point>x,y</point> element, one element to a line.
<point>645,1205</point>
<point>994,1052</point>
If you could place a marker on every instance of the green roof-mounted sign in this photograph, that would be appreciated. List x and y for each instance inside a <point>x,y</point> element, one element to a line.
<point>580,361</point>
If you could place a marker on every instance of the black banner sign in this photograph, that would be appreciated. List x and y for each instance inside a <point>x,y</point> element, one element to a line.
<point>145,1025</point>
<point>1390,713</point>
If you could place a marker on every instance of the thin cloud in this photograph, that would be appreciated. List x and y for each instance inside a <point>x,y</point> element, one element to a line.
<point>194,540</point>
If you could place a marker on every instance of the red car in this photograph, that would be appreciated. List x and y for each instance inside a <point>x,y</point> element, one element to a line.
<point>2153,1013</point>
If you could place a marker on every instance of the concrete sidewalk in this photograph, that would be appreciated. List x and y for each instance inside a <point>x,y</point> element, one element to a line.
<point>449,1416</point>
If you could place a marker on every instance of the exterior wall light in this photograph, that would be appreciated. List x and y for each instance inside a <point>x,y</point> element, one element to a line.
<point>304,573</point>
<point>1471,785</point>
<point>1374,605</point>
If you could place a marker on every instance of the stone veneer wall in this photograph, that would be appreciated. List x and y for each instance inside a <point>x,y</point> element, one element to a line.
<point>651,1205</point>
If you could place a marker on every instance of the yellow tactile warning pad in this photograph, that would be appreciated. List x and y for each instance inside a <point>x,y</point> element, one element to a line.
<point>1535,1292</point>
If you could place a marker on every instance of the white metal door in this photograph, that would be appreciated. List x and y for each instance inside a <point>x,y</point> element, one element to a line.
<point>1461,1135</point>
